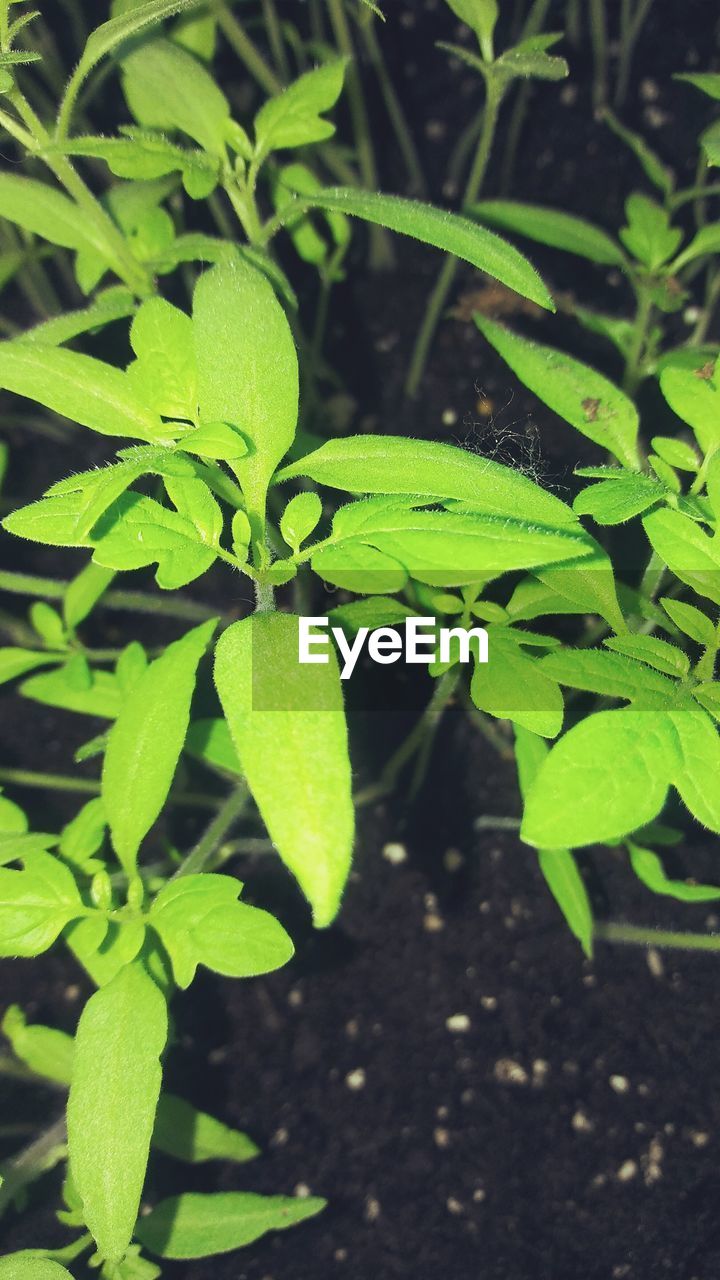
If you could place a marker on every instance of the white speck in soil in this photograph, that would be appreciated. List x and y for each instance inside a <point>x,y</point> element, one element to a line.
<point>217,1056</point>
<point>649,91</point>
<point>372,1209</point>
<point>454,1207</point>
<point>540,1069</point>
<point>458,1023</point>
<point>691,315</point>
<point>489,1003</point>
<point>435,130</point>
<point>355,1080</point>
<point>302,1191</point>
<point>72,992</point>
<point>433,923</point>
<point>295,998</point>
<point>620,1084</point>
<point>467,1097</point>
<point>341,1255</point>
<point>581,1122</point>
<point>627,1171</point>
<point>655,118</point>
<point>449,417</point>
<point>652,1162</point>
<point>568,95</point>
<point>485,908</point>
<point>453,860</point>
<point>508,1071</point>
<point>655,962</point>
<point>441,1138</point>
<point>479,1194</point>
<point>395,854</point>
<point>352,1029</point>
<point>279,1138</point>
<point>698,1138</point>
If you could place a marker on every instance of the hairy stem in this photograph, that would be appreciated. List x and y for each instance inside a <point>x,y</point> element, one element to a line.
<point>381,251</point>
<point>443,285</point>
<point>247,52</point>
<point>208,844</point>
<point>28,1165</point>
<point>634,935</point>
<point>176,606</point>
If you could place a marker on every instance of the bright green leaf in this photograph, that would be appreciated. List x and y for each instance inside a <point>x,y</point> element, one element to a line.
<point>113,1098</point>
<point>195,1225</point>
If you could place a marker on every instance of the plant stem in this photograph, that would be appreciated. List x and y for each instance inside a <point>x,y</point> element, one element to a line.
<point>236,36</point>
<point>275,38</point>
<point>27,1166</point>
<point>176,606</point>
<point>208,844</point>
<point>426,725</point>
<point>393,107</point>
<point>118,254</point>
<point>438,297</point>
<point>634,935</point>
<point>532,26</point>
<point>88,787</point>
<point>381,250</point>
<point>598,33</point>
<point>633,372</point>
<point>631,25</point>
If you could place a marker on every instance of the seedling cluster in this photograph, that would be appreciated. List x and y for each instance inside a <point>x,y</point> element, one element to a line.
<point>210,407</point>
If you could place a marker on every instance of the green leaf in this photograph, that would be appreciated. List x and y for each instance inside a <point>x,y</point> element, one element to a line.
<point>648,235</point>
<point>612,675</point>
<point>707,693</point>
<point>166,87</point>
<point>561,874</point>
<point>45,1051</point>
<point>45,212</point>
<point>146,740</point>
<point>101,697</point>
<point>623,756</point>
<point>710,143</point>
<point>649,868</point>
<point>78,387</point>
<point>615,501</point>
<point>513,686</point>
<point>187,1134</point>
<point>552,227</point>
<point>17,1266</point>
<point>164,376</point>
<point>657,653</point>
<point>210,741</point>
<point>83,593</point>
<point>479,15</point>
<point>440,548</point>
<point>247,368</point>
<point>109,36</point>
<point>195,1226</point>
<point>706,81</point>
<point>580,395</point>
<point>690,619</point>
<point>216,440</point>
<point>288,725</point>
<point>444,230</point>
<point>693,556</point>
<point>675,452</point>
<point>84,835</point>
<point>396,464</point>
<point>200,921</point>
<point>529,59</point>
<point>300,518</point>
<point>137,531</point>
<point>695,779</point>
<point>36,904</point>
<point>706,241</point>
<point>103,949</point>
<point>294,117</point>
<point>111,1107</point>
<point>691,390</point>
<point>16,662</point>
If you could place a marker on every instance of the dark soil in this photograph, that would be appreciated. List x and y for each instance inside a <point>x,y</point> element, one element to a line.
<point>472,1097</point>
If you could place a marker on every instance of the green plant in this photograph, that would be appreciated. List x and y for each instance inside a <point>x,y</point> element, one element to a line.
<point>206,412</point>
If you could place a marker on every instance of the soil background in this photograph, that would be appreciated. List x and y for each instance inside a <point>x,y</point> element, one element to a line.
<point>564,1124</point>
